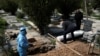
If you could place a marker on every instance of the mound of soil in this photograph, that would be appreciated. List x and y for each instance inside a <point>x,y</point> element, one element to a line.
<point>78,46</point>
<point>37,46</point>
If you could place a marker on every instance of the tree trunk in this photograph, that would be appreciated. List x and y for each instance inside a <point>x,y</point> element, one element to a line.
<point>41,29</point>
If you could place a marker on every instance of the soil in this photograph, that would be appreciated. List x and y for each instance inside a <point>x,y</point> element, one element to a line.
<point>38,46</point>
<point>78,46</point>
<point>83,48</point>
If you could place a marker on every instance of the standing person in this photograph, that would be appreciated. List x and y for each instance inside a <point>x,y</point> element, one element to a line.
<point>78,17</point>
<point>22,42</point>
<point>68,27</point>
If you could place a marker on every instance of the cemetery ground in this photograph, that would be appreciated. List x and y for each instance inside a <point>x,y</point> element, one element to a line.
<point>47,46</point>
<point>77,48</point>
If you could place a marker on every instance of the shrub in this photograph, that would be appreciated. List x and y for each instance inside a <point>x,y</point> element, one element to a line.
<point>3,23</point>
<point>9,6</point>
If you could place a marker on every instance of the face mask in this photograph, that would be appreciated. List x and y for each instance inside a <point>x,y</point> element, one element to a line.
<point>25,32</point>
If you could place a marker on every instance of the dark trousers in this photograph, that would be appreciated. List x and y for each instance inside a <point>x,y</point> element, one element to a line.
<point>71,30</point>
<point>78,24</point>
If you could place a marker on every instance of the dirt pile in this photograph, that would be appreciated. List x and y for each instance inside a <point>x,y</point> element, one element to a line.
<point>78,46</point>
<point>83,48</point>
<point>36,46</point>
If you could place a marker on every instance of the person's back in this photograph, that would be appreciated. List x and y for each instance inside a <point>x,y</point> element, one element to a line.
<point>78,15</point>
<point>66,24</point>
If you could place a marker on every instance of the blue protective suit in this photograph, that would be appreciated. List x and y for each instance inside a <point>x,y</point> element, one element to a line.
<point>22,42</point>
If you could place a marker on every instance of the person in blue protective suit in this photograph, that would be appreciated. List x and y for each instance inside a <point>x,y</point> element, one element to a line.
<point>22,42</point>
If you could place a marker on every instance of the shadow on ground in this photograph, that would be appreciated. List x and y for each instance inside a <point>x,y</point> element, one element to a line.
<point>94,54</point>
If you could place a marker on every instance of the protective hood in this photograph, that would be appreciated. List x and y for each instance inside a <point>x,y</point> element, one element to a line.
<point>23,31</point>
